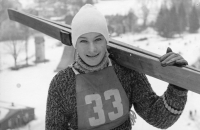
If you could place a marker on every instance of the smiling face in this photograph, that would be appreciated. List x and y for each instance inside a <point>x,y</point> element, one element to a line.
<point>91,47</point>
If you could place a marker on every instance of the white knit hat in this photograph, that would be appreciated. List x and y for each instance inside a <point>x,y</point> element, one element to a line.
<point>88,19</point>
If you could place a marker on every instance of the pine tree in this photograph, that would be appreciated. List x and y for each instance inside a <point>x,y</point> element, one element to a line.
<point>161,21</point>
<point>182,20</point>
<point>131,20</point>
<point>193,21</point>
<point>167,22</point>
<point>173,24</point>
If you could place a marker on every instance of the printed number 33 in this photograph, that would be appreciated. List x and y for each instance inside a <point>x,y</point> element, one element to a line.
<point>99,106</point>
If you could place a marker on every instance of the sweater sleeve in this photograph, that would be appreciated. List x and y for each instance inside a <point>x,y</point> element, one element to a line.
<point>56,116</point>
<point>159,111</point>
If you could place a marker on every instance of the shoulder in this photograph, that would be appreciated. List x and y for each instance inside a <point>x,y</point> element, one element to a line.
<point>63,79</point>
<point>65,74</point>
<point>62,92</point>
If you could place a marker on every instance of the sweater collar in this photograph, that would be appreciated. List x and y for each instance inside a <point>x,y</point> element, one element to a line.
<point>83,68</point>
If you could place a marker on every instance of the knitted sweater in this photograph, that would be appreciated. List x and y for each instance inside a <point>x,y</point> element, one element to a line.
<point>61,111</point>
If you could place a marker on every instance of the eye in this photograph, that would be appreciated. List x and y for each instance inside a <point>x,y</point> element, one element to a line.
<point>98,39</point>
<point>83,41</point>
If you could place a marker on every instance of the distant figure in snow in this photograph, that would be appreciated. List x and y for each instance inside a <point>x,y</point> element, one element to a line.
<point>96,93</point>
<point>193,114</point>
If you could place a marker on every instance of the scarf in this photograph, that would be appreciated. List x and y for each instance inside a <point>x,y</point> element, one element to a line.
<point>83,67</point>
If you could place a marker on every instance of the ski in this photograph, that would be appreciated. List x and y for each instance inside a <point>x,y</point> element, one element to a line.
<point>123,53</point>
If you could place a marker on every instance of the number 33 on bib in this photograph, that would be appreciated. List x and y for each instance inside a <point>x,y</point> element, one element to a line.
<point>98,108</point>
<point>102,109</point>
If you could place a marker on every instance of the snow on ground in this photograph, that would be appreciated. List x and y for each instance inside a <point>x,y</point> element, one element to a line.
<point>29,86</point>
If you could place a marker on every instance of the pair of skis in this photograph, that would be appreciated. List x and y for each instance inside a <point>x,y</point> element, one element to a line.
<point>125,54</point>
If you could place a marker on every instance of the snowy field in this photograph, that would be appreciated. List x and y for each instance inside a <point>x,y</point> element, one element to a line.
<point>29,86</point>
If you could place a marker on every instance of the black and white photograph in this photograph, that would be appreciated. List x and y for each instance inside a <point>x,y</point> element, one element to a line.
<point>99,64</point>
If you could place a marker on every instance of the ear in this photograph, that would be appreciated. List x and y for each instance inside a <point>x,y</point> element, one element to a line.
<point>75,54</point>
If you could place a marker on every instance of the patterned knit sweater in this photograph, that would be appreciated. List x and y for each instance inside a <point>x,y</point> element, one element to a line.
<point>61,111</point>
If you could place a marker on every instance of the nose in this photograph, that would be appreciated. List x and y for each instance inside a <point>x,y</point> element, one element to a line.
<point>92,48</point>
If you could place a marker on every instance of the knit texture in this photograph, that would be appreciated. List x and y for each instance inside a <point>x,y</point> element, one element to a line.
<point>61,111</point>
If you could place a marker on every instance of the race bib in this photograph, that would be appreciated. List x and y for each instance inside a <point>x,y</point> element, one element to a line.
<point>101,100</point>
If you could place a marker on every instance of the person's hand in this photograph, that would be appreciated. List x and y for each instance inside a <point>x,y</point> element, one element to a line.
<point>172,59</point>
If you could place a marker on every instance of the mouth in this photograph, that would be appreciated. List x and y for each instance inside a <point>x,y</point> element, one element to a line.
<point>93,56</point>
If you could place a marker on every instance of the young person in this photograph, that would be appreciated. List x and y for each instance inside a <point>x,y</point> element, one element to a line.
<point>97,93</point>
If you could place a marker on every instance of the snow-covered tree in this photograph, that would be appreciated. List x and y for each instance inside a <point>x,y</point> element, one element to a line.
<point>14,37</point>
